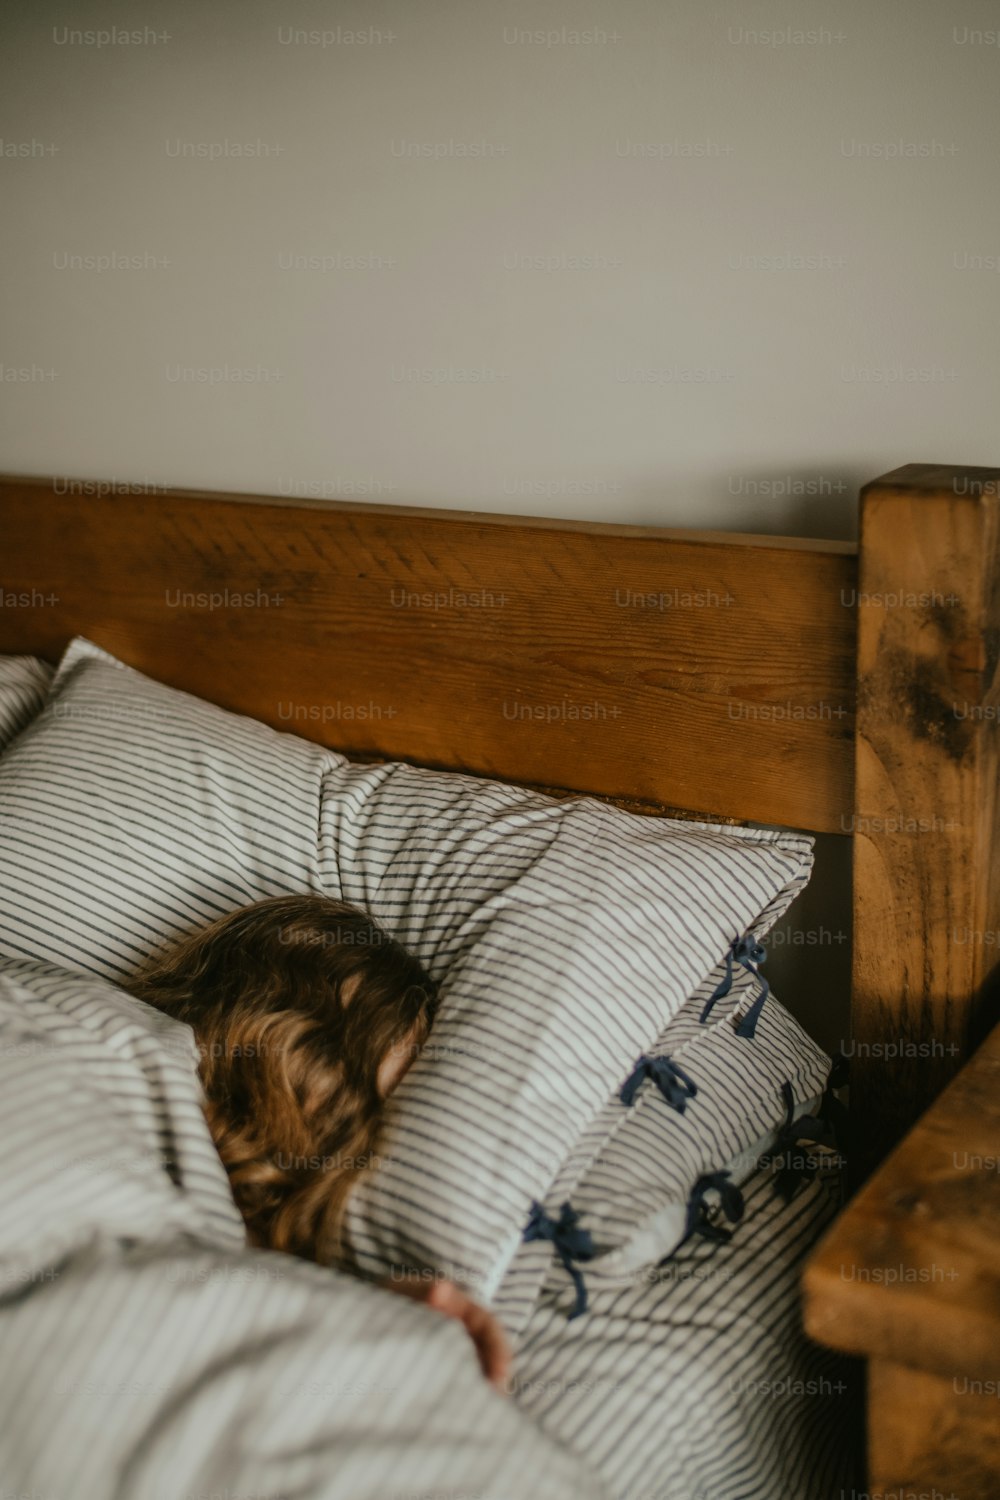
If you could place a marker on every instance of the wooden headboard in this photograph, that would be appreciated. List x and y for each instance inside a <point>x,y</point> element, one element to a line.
<point>622,660</point>
<point>812,684</point>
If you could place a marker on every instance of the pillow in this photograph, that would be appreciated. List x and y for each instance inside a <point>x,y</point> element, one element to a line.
<point>24,682</point>
<point>131,813</point>
<point>670,1167</point>
<point>633,1178</point>
<point>564,935</point>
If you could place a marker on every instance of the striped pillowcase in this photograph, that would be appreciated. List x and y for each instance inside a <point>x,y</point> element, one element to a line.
<point>564,935</point>
<point>631,1178</point>
<point>640,1198</point>
<point>631,1175</point>
<point>24,683</point>
<point>131,814</point>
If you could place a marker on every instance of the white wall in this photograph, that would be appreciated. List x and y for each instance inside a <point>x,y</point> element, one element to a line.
<point>880,349</point>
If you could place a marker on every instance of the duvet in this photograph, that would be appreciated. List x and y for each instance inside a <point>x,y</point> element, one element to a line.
<point>150,1356</point>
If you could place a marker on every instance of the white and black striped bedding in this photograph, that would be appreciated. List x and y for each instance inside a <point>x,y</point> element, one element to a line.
<point>631,1178</point>
<point>131,814</point>
<point>154,1358</point>
<point>147,1356</point>
<point>564,935</point>
<point>696,1382</point>
<point>24,683</point>
<point>102,1125</point>
<point>639,1196</point>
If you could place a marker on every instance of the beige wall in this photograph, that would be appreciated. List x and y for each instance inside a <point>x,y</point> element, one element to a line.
<point>697,262</point>
<point>609,271</point>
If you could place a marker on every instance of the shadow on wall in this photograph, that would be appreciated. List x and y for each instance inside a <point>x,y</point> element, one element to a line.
<point>802,502</point>
<point>814,502</point>
<point>809,951</point>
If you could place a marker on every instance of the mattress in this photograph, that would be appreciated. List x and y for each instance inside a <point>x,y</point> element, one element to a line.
<point>695,1381</point>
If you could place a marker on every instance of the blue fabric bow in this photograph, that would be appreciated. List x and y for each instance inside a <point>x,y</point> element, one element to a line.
<point>748,953</point>
<point>730,1202</point>
<point>571,1244</point>
<point>799,1166</point>
<point>673,1083</point>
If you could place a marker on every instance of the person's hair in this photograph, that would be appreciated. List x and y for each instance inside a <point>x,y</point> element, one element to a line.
<point>289,1062</point>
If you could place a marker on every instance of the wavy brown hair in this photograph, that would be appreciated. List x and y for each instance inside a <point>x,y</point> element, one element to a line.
<point>296,1003</point>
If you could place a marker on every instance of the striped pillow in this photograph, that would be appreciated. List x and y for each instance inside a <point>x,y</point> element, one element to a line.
<point>24,682</point>
<point>131,813</point>
<point>632,1180</point>
<point>564,935</point>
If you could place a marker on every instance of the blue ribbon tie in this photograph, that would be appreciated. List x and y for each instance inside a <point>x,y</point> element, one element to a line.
<point>748,953</point>
<point>699,1216</point>
<point>673,1083</point>
<point>799,1166</point>
<point>571,1244</point>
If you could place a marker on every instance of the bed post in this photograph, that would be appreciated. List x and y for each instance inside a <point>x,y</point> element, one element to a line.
<point>926,840</point>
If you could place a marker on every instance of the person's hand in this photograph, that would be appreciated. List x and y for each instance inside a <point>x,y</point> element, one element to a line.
<point>482,1327</point>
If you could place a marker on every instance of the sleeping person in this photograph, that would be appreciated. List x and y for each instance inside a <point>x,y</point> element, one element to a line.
<point>306,1014</point>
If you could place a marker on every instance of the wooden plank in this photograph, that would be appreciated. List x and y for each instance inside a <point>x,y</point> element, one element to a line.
<point>701,671</point>
<point>927,845</point>
<point>932,1435</point>
<point>910,1271</point>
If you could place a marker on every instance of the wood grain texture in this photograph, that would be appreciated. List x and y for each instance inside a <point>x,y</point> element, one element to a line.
<point>926,893</point>
<point>729,691</point>
<point>931,1436</point>
<point>910,1271</point>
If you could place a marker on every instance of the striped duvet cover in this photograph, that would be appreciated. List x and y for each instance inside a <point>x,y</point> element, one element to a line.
<point>149,1356</point>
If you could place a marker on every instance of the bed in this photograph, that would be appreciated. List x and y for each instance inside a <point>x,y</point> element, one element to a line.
<point>810,685</point>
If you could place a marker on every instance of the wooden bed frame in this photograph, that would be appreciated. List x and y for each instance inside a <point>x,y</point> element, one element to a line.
<point>816,685</point>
